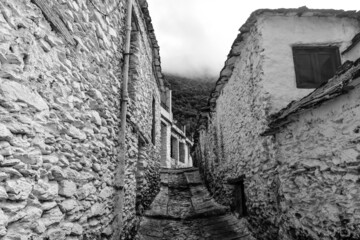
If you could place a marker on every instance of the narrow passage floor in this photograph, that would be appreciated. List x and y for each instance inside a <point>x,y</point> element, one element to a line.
<point>184,210</point>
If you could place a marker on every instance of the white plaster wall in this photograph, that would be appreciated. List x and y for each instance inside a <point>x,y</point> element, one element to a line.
<point>353,54</point>
<point>280,33</point>
<point>187,159</point>
<point>319,154</point>
<point>165,114</point>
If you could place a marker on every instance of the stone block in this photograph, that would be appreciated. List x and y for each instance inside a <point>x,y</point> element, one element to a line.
<point>3,176</point>
<point>349,155</point>
<point>52,216</point>
<point>5,148</point>
<point>45,190</point>
<point>95,94</point>
<point>5,134</point>
<point>19,142</point>
<point>58,173</point>
<point>95,118</point>
<point>12,207</point>
<point>18,189</point>
<point>76,133</point>
<point>107,193</point>
<point>10,171</point>
<point>55,234</point>
<point>31,157</point>
<point>97,209</point>
<point>44,45</point>
<point>13,59</point>
<point>67,188</point>
<point>19,128</point>
<point>10,162</point>
<point>96,167</point>
<point>68,205</point>
<point>3,223</point>
<point>3,194</point>
<point>38,227</point>
<point>48,205</point>
<point>28,214</point>
<point>53,159</point>
<point>84,191</point>
<point>18,92</point>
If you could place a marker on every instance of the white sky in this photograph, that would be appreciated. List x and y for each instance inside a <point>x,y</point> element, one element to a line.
<point>195,36</point>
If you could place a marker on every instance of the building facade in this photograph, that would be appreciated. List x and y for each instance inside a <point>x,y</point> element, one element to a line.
<point>61,77</point>
<point>286,181</point>
<point>175,151</point>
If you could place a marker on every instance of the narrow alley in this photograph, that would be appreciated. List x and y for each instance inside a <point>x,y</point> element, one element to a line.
<point>184,209</point>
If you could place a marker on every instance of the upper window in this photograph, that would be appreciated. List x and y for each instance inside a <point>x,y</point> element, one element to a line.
<point>315,65</point>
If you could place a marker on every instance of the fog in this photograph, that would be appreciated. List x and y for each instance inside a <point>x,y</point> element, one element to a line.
<point>195,36</point>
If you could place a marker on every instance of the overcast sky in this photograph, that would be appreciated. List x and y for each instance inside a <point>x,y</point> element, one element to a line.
<point>195,36</point>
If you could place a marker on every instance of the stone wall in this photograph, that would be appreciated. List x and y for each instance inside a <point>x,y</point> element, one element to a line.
<point>59,120</point>
<point>257,80</point>
<point>230,146</point>
<point>318,155</point>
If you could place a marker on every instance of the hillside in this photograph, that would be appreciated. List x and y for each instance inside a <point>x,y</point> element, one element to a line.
<point>189,96</point>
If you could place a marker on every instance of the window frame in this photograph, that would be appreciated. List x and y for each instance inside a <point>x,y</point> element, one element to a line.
<point>314,52</point>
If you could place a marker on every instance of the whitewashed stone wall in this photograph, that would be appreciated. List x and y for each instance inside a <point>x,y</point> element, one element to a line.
<point>249,89</point>
<point>295,31</point>
<point>230,146</point>
<point>59,121</point>
<point>318,154</point>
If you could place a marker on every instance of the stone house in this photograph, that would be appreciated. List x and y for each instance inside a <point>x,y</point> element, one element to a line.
<point>62,71</point>
<point>281,154</point>
<point>175,145</point>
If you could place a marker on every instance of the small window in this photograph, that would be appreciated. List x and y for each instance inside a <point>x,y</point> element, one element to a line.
<point>182,152</point>
<point>315,65</point>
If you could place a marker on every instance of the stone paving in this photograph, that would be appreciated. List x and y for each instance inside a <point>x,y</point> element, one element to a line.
<point>184,210</point>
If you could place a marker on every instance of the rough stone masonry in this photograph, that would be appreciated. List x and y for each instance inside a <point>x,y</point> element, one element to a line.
<point>301,179</point>
<point>60,77</point>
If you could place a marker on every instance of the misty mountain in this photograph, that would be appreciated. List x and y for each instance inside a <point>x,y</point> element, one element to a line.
<point>189,95</point>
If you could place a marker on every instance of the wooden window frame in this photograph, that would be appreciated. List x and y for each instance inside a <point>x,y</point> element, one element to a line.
<point>314,52</point>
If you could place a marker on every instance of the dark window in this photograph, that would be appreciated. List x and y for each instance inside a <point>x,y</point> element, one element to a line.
<point>238,205</point>
<point>182,152</point>
<point>240,200</point>
<point>173,147</point>
<point>315,65</point>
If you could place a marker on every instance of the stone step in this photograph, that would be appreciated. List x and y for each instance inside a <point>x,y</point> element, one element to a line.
<point>158,208</point>
<point>178,170</point>
<point>184,209</point>
<point>204,205</point>
<point>193,178</point>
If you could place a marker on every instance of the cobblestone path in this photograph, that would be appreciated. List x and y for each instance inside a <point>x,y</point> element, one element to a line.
<point>184,210</point>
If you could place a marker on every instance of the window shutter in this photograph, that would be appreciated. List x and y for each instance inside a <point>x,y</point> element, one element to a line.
<point>315,65</point>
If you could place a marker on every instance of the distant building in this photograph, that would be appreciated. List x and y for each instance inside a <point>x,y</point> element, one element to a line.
<point>175,145</point>
<point>282,154</point>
